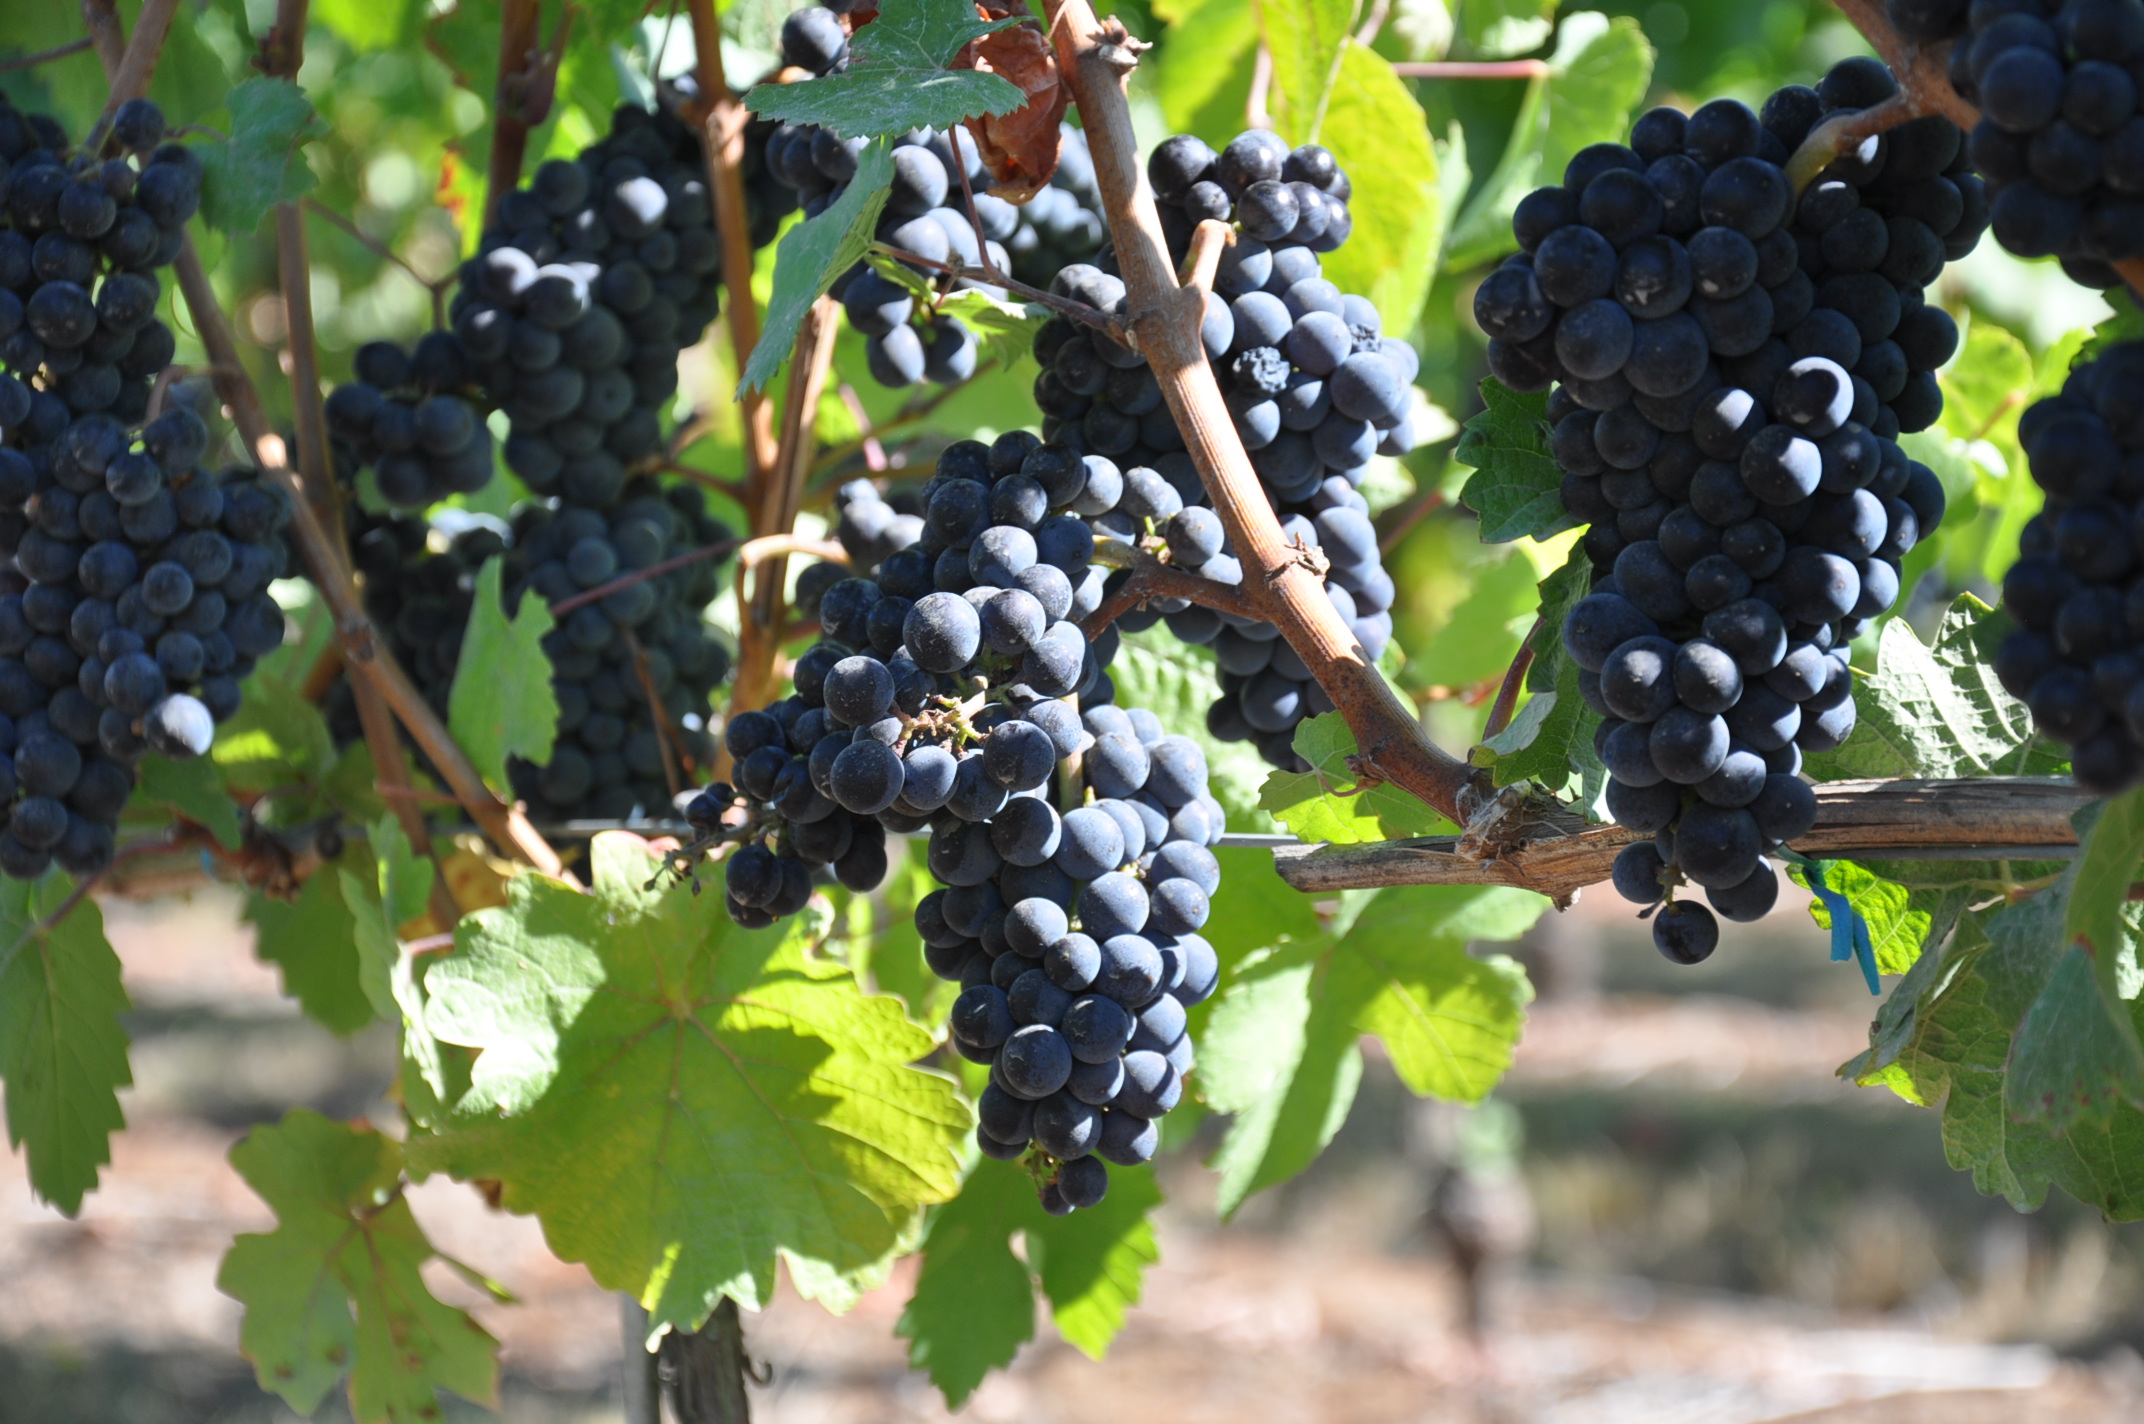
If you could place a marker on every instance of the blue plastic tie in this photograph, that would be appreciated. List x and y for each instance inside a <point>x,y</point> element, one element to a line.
<point>1849,931</point>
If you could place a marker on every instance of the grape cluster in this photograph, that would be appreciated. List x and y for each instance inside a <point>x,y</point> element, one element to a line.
<point>136,596</point>
<point>405,417</point>
<point>937,687</point>
<point>1075,940</point>
<point>942,697</point>
<point>1731,369</point>
<point>927,215</point>
<point>871,528</point>
<point>2061,138</point>
<point>1314,387</point>
<point>2078,659</point>
<point>590,280</point>
<point>632,671</point>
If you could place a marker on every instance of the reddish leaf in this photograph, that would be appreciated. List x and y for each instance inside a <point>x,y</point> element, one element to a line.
<point>1019,148</point>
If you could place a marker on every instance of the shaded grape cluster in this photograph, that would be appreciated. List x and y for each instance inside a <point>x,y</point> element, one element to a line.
<point>871,528</point>
<point>927,214</point>
<point>2061,138</point>
<point>407,418</point>
<point>2077,660</point>
<point>632,670</point>
<point>590,280</point>
<point>1731,368</point>
<point>135,599</point>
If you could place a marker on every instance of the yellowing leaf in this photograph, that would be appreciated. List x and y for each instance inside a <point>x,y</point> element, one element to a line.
<point>336,1287</point>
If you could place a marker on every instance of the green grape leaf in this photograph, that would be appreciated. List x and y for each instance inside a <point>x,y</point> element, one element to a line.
<point>812,254</point>
<point>338,1288</point>
<point>1897,927</point>
<point>1380,135</point>
<point>276,739</point>
<point>312,940</point>
<point>373,24</point>
<point>394,889</point>
<point>1006,329</point>
<point>974,1302</point>
<point>63,1050</point>
<point>1515,488</point>
<point>1327,89</point>
<point>260,164</point>
<point>1093,1263</point>
<point>1279,1049</point>
<point>193,789</point>
<point>2099,921</point>
<point>1199,76</point>
<point>1329,801</point>
<point>501,704</point>
<point>897,78</point>
<point>1938,710</point>
<point>680,1101</point>
<point>1498,29</point>
<point>1597,74</point>
<point>1553,732</point>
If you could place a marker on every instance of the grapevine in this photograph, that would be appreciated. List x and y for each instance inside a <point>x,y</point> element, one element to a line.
<point>783,822</point>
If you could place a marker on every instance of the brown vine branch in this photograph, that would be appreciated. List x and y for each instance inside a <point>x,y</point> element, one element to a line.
<point>1151,578</point>
<point>362,647</point>
<point>721,119</point>
<point>130,79</point>
<point>1507,691</point>
<point>1203,258</point>
<point>1993,818</point>
<point>1097,58</point>
<point>44,56</point>
<point>1473,69</point>
<point>676,561</point>
<point>760,622</point>
<point>294,265</point>
<point>520,61</point>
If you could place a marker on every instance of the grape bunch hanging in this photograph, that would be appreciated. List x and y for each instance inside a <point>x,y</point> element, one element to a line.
<point>2059,141</point>
<point>1732,366</point>
<point>941,697</point>
<point>1314,388</point>
<point>928,214</point>
<point>2077,661</point>
<point>136,599</point>
<point>591,280</point>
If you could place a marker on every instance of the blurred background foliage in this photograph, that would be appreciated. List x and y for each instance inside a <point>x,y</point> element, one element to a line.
<point>404,87</point>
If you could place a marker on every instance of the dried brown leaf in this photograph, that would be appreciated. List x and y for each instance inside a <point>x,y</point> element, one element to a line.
<point>1019,148</point>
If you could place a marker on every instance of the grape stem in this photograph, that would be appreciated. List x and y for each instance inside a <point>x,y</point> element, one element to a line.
<point>985,275</point>
<point>602,591</point>
<point>721,120</point>
<point>44,56</point>
<point>761,618</point>
<point>1473,69</point>
<point>436,286</point>
<point>1203,258</point>
<point>1151,578</point>
<point>282,50</point>
<point>1507,692</point>
<point>1923,74</point>
<point>528,76</point>
<point>130,78</point>
<point>1163,322</point>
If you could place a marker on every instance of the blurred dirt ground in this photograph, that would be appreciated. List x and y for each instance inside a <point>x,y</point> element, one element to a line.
<point>1688,1221</point>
